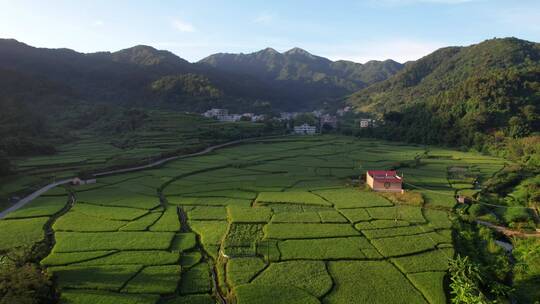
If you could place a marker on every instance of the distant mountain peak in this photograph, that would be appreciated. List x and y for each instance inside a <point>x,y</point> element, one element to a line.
<point>298,51</point>
<point>147,56</point>
<point>268,50</point>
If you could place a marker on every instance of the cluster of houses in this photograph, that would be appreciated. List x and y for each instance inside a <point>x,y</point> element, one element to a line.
<point>223,115</point>
<point>325,120</point>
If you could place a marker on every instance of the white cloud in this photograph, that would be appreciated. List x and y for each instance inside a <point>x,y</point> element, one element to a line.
<point>98,23</point>
<point>183,26</point>
<point>400,50</point>
<point>263,18</point>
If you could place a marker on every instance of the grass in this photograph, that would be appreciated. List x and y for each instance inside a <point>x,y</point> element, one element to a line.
<point>296,217</point>
<point>192,299</point>
<point>142,223</point>
<point>110,278</point>
<point>183,241</point>
<point>260,294</point>
<point>310,276</point>
<point>188,259</point>
<point>431,284</point>
<point>379,282</point>
<point>196,280</point>
<point>41,206</point>
<point>73,241</point>
<point>168,222</point>
<point>102,297</point>
<point>138,257</point>
<point>81,222</point>
<point>302,230</point>
<point>410,214</point>
<point>390,232</point>
<point>353,198</point>
<point>304,213</point>
<point>331,216</point>
<point>435,260</point>
<point>324,249</point>
<point>242,270</point>
<point>21,232</point>
<point>211,232</point>
<point>295,197</point>
<point>208,213</point>
<point>57,259</point>
<point>356,215</point>
<point>109,212</point>
<point>238,214</point>
<point>155,279</point>
<point>406,244</point>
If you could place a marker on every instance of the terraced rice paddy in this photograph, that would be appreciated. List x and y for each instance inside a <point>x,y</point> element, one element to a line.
<point>275,221</point>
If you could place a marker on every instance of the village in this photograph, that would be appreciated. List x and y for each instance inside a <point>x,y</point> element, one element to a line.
<point>322,120</point>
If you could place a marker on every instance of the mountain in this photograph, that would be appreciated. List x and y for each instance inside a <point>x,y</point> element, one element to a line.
<point>456,95</point>
<point>135,77</point>
<point>306,76</point>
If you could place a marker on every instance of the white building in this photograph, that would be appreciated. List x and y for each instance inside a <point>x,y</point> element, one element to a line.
<point>366,123</point>
<point>216,113</point>
<point>229,118</point>
<point>305,129</point>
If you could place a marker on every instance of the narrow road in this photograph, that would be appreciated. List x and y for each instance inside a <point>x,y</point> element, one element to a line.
<point>509,232</point>
<point>21,203</point>
<point>32,196</point>
<point>168,159</point>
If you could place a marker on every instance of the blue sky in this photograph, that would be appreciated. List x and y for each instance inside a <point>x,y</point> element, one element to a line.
<point>354,30</point>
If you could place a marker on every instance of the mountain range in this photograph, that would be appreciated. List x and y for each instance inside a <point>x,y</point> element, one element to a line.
<point>142,75</point>
<point>453,96</point>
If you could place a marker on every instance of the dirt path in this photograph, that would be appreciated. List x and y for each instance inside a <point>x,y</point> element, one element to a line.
<point>509,232</point>
<point>21,203</point>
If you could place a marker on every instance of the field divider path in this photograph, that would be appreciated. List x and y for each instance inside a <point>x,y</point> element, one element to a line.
<point>27,199</point>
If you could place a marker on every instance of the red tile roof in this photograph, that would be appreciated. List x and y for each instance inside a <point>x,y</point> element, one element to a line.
<point>384,176</point>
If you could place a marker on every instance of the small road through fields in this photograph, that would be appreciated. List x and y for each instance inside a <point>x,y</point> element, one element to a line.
<point>509,232</point>
<point>27,199</point>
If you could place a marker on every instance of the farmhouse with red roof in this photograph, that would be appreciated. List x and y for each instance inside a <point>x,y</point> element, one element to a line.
<point>386,181</point>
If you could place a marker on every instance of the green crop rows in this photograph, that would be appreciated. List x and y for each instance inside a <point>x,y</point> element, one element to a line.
<point>274,221</point>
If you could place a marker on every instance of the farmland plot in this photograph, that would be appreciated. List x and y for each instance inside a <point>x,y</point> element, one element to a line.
<point>275,221</point>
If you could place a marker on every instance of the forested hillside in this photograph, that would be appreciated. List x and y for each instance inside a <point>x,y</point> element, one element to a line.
<point>307,78</point>
<point>461,96</point>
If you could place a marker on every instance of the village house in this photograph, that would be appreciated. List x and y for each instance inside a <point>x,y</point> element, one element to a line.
<point>384,181</point>
<point>78,181</point>
<point>330,120</point>
<point>305,129</point>
<point>367,123</point>
<point>341,112</point>
<point>215,113</point>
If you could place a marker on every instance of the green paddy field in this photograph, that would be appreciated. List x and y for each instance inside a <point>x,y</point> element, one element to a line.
<point>280,220</point>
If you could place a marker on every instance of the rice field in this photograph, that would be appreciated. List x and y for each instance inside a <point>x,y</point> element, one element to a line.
<point>279,220</point>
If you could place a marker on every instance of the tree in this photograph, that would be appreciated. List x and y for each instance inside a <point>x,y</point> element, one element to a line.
<point>465,282</point>
<point>24,282</point>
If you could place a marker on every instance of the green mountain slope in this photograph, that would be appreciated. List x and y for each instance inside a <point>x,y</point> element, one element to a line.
<point>304,75</point>
<point>456,95</point>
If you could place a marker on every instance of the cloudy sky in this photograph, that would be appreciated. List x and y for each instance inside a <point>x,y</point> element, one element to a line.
<point>358,30</point>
